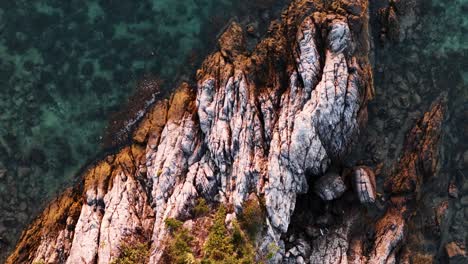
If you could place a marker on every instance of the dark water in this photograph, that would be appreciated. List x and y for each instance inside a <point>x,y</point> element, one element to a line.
<point>429,59</point>
<point>66,66</point>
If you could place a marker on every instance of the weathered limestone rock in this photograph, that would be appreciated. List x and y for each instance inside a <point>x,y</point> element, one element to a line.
<point>389,234</point>
<point>333,247</point>
<point>454,249</point>
<point>86,239</point>
<point>351,235</point>
<point>420,157</point>
<point>418,161</point>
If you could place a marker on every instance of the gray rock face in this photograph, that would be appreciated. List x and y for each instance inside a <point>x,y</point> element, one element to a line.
<point>308,61</point>
<point>125,215</point>
<point>310,128</point>
<point>364,184</point>
<point>330,186</point>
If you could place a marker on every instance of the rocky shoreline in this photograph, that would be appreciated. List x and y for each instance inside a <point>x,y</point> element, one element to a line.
<point>284,126</point>
<point>111,55</point>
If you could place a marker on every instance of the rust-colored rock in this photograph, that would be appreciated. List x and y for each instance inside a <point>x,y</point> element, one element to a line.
<point>232,42</point>
<point>61,214</point>
<point>418,161</point>
<point>441,213</point>
<point>420,154</point>
<point>454,249</point>
<point>150,128</point>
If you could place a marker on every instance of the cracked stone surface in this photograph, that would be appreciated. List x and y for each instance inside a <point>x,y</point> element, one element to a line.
<point>275,122</point>
<point>364,184</point>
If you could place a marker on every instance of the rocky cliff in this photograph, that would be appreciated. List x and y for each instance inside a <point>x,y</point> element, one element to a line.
<point>270,125</point>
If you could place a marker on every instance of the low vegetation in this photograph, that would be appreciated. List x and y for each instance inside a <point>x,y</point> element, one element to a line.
<point>201,208</point>
<point>273,248</point>
<point>252,218</point>
<point>223,245</point>
<point>132,253</point>
<point>226,247</point>
<point>179,246</point>
<point>173,224</point>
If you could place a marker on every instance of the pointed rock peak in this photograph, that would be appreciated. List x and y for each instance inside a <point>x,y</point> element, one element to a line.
<point>232,41</point>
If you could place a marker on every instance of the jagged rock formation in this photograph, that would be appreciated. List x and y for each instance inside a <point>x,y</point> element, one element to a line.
<point>266,122</point>
<point>261,122</point>
<point>330,186</point>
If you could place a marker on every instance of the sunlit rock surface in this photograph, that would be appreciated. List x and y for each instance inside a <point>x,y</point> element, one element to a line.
<point>268,122</point>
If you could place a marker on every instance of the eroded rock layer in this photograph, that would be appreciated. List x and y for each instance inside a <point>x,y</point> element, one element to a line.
<point>261,122</point>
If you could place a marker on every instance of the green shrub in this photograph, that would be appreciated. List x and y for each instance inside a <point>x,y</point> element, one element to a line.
<point>224,247</point>
<point>173,224</point>
<point>137,253</point>
<point>201,208</point>
<point>272,250</point>
<point>252,218</point>
<point>179,248</point>
<point>244,249</point>
<point>179,245</point>
<point>218,245</point>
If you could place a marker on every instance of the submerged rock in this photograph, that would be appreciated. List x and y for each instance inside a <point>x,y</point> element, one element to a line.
<point>418,162</point>
<point>454,249</point>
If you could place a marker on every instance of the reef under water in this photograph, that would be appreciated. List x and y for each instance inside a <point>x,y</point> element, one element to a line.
<point>67,66</point>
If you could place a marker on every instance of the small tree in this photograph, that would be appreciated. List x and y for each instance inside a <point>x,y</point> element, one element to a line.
<point>179,246</point>
<point>227,247</point>
<point>218,246</point>
<point>201,208</point>
<point>137,253</point>
<point>252,218</point>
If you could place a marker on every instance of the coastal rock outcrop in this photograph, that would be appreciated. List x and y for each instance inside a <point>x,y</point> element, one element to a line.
<point>267,122</point>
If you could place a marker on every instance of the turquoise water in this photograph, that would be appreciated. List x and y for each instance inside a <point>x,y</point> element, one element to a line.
<point>448,27</point>
<point>66,66</point>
